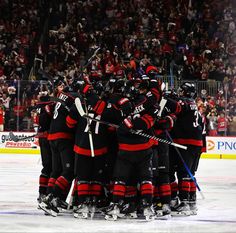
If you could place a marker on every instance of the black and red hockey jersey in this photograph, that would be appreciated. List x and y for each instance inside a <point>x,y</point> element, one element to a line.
<point>44,118</point>
<point>82,127</point>
<point>187,130</point>
<point>126,140</point>
<point>167,116</point>
<point>132,142</point>
<point>141,119</point>
<point>58,127</point>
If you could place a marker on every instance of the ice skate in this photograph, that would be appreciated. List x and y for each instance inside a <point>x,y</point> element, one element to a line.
<point>93,207</point>
<point>40,199</point>
<point>113,212</point>
<point>174,202</point>
<point>193,208</point>
<point>102,206</point>
<point>63,206</point>
<point>158,209</point>
<point>148,211</point>
<point>49,205</point>
<point>166,212</point>
<point>82,211</point>
<point>129,210</point>
<point>182,209</point>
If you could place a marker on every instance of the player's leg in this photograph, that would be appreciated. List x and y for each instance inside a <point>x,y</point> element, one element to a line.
<point>184,181</point>
<point>163,178</point>
<point>145,175</point>
<point>46,157</point>
<point>49,203</point>
<point>172,177</point>
<point>64,181</point>
<point>193,189</point>
<point>83,170</point>
<point>97,182</point>
<point>122,170</point>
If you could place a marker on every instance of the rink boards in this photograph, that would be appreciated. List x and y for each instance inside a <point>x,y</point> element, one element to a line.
<point>216,147</point>
<point>37,151</point>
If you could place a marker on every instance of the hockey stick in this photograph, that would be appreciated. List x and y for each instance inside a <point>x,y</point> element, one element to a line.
<point>89,133</point>
<point>186,167</point>
<point>83,114</point>
<point>15,138</point>
<point>91,58</point>
<point>162,105</point>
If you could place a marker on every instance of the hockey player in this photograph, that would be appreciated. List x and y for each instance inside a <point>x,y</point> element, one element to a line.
<point>90,155</point>
<point>152,90</point>
<point>44,120</point>
<point>165,122</point>
<point>135,152</point>
<point>61,141</point>
<point>187,131</point>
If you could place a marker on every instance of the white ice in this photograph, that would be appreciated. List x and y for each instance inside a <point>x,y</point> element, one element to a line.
<point>19,213</point>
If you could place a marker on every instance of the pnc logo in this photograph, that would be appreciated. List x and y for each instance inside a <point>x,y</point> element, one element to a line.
<point>210,145</point>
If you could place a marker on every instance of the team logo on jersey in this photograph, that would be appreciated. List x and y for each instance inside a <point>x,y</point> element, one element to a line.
<point>210,145</point>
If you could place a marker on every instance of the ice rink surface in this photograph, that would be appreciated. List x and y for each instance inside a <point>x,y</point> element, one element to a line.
<point>19,213</point>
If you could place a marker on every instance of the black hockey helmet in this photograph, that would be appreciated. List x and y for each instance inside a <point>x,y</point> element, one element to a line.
<point>119,86</point>
<point>44,96</point>
<point>99,87</point>
<point>144,82</point>
<point>187,89</point>
<point>130,91</point>
<point>58,81</point>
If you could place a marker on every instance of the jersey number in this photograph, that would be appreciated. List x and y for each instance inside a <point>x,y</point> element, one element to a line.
<point>196,123</point>
<point>58,105</point>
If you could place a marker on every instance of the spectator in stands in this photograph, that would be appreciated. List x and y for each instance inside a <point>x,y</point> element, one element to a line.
<point>212,123</point>
<point>232,126</point>
<point>222,124</point>
<point>2,116</point>
<point>6,103</point>
<point>19,113</point>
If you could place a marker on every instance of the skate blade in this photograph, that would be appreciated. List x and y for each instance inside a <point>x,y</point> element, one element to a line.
<point>149,218</point>
<point>92,215</point>
<point>47,211</point>
<point>111,217</point>
<point>81,215</point>
<point>65,211</point>
<point>158,213</point>
<point>163,217</point>
<point>132,216</point>
<point>92,211</point>
<point>193,212</point>
<point>181,214</point>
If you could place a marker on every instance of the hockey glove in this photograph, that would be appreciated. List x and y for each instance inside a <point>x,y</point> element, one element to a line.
<point>126,125</point>
<point>125,106</point>
<point>166,123</point>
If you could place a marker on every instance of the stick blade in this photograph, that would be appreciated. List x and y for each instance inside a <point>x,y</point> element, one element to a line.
<point>179,146</point>
<point>79,107</point>
<point>13,137</point>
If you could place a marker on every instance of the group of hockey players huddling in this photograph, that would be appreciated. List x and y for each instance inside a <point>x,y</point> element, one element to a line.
<point>104,155</point>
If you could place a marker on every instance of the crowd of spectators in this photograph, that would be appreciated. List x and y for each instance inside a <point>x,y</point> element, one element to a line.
<point>219,115</point>
<point>20,26</point>
<point>187,39</point>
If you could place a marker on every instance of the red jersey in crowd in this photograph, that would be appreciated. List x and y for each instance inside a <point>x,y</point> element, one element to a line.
<point>222,124</point>
<point>2,113</point>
